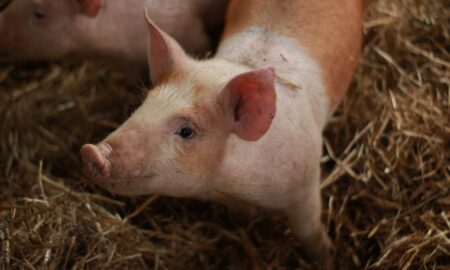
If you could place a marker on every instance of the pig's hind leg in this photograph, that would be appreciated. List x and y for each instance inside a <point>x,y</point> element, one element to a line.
<point>304,221</point>
<point>240,211</point>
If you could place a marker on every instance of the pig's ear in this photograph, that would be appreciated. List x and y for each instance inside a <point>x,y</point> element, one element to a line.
<point>165,56</point>
<point>252,100</point>
<point>90,7</point>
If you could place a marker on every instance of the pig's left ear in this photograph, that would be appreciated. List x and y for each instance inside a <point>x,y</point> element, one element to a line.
<point>252,100</point>
<point>90,7</point>
<point>165,55</point>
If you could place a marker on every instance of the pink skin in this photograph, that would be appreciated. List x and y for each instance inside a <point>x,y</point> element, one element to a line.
<point>122,161</point>
<point>25,35</point>
<point>219,130</point>
<point>98,167</point>
<point>106,29</point>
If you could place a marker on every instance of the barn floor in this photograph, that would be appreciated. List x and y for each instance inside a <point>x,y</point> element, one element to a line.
<point>386,168</point>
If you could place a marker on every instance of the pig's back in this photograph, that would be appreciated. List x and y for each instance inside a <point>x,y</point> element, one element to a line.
<point>290,150</point>
<point>299,77</point>
<point>329,30</point>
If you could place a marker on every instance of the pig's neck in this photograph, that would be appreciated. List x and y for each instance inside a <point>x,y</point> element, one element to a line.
<point>296,70</point>
<point>291,148</point>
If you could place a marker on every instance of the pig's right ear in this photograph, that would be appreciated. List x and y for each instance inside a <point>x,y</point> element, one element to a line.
<point>90,8</point>
<point>165,56</point>
<point>250,99</point>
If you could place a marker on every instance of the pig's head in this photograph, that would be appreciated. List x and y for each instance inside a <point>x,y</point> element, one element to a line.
<point>174,143</point>
<point>43,29</point>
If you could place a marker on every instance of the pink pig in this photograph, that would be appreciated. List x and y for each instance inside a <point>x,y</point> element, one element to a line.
<point>243,128</point>
<point>108,29</point>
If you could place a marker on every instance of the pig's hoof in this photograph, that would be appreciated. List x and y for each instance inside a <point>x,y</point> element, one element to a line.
<point>96,166</point>
<point>329,256</point>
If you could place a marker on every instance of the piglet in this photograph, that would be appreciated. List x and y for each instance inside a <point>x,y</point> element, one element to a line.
<point>107,29</point>
<point>243,128</point>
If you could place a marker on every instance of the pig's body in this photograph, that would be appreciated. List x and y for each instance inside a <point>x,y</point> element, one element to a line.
<point>108,29</point>
<point>314,58</point>
<point>273,171</point>
<point>256,137</point>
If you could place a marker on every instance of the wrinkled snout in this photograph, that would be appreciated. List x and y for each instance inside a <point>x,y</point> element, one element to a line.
<point>96,163</point>
<point>121,163</point>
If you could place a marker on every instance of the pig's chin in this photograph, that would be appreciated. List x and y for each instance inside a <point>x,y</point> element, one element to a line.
<point>133,186</point>
<point>10,58</point>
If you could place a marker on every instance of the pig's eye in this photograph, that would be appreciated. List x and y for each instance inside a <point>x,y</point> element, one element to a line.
<point>39,15</point>
<point>186,133</point>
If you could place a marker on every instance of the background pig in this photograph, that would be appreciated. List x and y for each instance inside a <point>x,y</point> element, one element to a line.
<point>243,128</point>
<point>109,29</point>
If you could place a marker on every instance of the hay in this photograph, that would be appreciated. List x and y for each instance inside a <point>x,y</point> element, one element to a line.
<point>386,168</point>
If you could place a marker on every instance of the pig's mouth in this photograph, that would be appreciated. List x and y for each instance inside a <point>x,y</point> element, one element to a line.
<point>133,186</point>
<point>98,168</point>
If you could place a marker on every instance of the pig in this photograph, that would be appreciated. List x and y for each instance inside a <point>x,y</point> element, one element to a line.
<point>106,29</point>
<point>244,127</point>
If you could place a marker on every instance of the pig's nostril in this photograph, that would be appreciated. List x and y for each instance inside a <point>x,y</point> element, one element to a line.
<point>96,166</point>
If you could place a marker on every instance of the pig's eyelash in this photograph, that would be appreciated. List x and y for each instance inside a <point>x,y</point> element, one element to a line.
<point>39,14</point>
<point>187,122</point>
<point>193,124</point>
<point>182,120</point>
<point>186,132</point>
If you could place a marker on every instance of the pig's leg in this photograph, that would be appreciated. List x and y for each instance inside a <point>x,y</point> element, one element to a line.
<point>304,220</point>
<point>240,211</point>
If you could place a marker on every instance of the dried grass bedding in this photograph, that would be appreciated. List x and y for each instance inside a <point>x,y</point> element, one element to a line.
<point>386,167</point>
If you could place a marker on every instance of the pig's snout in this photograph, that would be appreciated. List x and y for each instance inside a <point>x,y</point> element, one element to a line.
<point>96,163</point>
